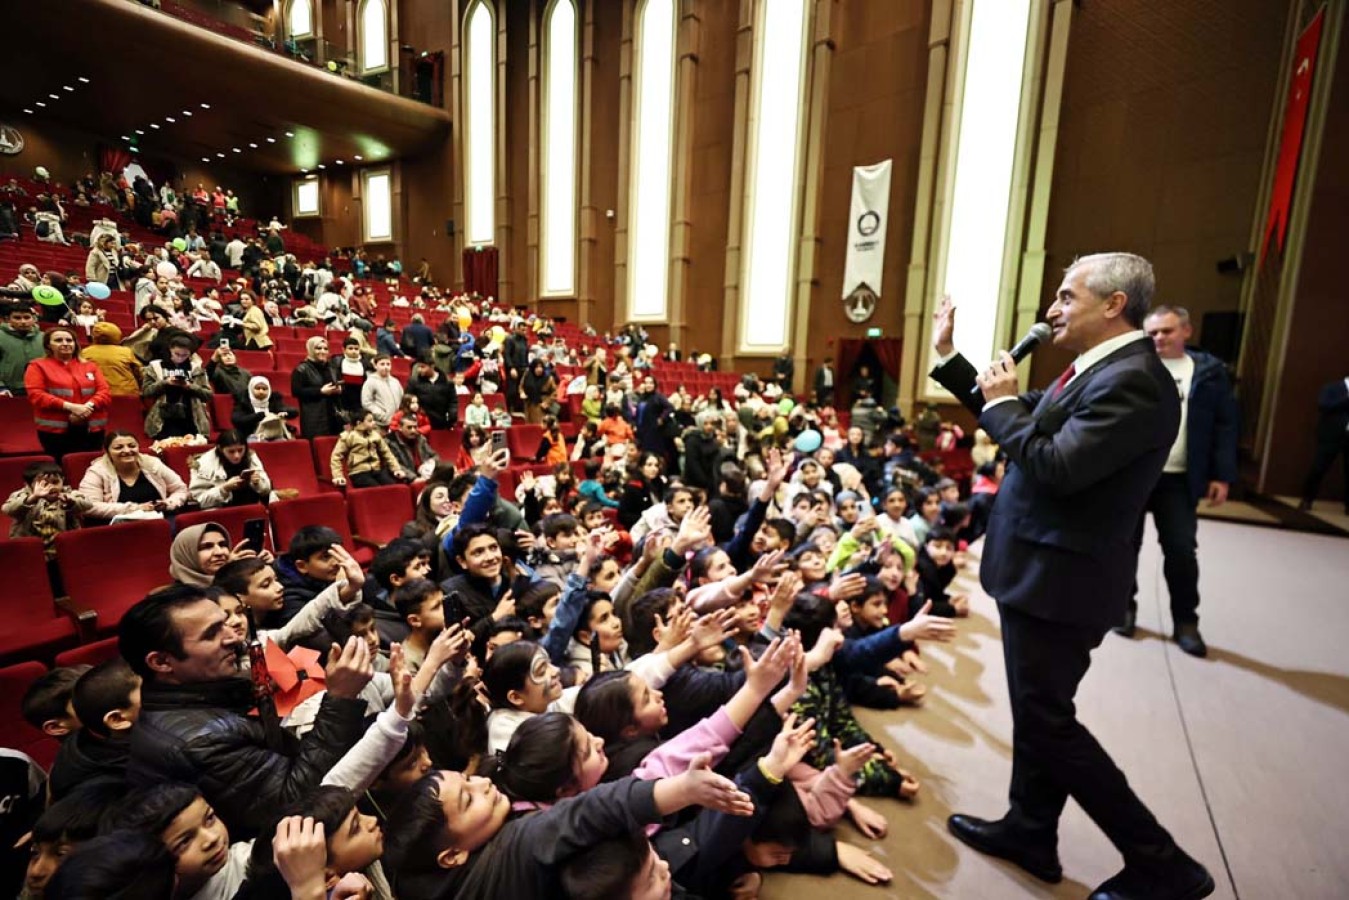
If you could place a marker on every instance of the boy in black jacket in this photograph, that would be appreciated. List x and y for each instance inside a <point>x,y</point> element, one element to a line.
<point>937,569</point>
<point>107,701</point>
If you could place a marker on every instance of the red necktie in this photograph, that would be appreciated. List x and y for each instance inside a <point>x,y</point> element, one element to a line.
<point>1067,376</point>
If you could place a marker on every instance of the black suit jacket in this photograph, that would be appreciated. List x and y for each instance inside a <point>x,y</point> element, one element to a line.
<point>1333,403</point>
<point>1059,544</point>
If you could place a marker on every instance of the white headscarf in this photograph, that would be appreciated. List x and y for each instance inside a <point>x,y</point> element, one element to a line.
<point>259,406</point>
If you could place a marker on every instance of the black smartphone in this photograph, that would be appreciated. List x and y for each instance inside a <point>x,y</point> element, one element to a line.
<point>255,532</point>
<point>498,441</point>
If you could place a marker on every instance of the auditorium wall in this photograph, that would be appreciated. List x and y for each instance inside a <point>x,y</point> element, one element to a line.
<point>1165,116</point>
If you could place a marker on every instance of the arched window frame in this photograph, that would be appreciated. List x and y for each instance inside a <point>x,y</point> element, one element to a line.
<point>363,41</point>
<point>977,240</point>
<point>765,324</point>
<point>558,227</point>
<point>290,18</point>
<point>651,170</point>
<point>480,151</point>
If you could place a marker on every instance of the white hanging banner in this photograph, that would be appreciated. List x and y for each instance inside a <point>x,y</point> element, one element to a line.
<point>866,228</point>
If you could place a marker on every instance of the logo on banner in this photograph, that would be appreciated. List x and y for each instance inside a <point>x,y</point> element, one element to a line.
<point>868,223</point>
<point>11,142</point>
<point>864,263</point>
<point>860,305</point>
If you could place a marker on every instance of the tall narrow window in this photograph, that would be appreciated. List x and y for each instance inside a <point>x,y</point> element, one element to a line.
<point>989,113</point>
<point>776,112</point>
<point>374,36</point>
<point>377,194</point>
<point>480,117</point>
<point>558,244</point>
<point>300,22</point>
<point>652,148</point>
<point>307,197</point>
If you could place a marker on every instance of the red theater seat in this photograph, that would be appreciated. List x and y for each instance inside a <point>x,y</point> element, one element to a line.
<point>290,465</point>
<point>33,624</point>
<point>231,518</point>
<point>14,683</point>
<point>108,570</point>
<point>379,513</point>
<point>289,516</point>
<point>89,654</point>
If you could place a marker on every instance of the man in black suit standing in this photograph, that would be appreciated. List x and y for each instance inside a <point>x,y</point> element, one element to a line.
<point>1332,439</point>
<point>824,383</point>
<point>1059,558</point>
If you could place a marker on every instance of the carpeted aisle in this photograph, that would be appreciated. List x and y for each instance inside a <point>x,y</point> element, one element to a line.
<point>1240,755</point>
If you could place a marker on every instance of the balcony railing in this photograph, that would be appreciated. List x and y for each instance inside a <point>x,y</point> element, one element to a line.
<point>420,73</point>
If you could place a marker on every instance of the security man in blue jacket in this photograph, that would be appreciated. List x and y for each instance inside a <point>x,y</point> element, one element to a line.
<point>1202,464</point>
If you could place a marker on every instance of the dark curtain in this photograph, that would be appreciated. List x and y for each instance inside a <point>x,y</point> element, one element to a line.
<point>849,349</point>
<point>480,270</point>
<point>888,352</point>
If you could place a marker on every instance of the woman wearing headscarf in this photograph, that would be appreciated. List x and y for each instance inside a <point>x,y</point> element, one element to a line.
<point>256,403</point>
<point>199,551</point>
<point>314,384</point>
<point>538,389</point>
<point>120,367</point>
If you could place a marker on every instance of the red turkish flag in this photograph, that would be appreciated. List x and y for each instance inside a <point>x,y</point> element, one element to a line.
<point>1290,145</point>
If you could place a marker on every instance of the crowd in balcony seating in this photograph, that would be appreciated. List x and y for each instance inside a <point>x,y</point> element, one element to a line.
<point>582,616</point>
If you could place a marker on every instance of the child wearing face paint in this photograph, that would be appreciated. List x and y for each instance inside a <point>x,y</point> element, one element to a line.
<point>521,682</point>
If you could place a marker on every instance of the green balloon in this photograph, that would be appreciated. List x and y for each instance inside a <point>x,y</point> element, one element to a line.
<point>48,295</point>
<point>179,244</point>
<point>786,405</point>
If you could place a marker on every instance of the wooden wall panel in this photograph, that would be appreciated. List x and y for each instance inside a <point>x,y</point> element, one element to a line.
<point>875,112</point>
<point>1162,156</point>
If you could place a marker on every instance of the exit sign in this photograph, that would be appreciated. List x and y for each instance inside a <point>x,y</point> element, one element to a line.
<point>873,332</point>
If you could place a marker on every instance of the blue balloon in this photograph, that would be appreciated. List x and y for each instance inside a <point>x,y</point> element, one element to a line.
<point>98,290</point>
<point>809,441</point>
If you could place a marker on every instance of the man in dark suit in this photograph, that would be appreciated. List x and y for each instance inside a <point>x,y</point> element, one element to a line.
<point>1202,464</point>
<point>1059,558</point>
<point>824,382</point>
<point>1332,439</point>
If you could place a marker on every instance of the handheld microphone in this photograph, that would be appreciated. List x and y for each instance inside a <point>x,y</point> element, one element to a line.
<point>1024,347</point>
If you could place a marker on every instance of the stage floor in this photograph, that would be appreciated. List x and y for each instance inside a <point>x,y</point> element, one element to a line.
<point>1240,755</point>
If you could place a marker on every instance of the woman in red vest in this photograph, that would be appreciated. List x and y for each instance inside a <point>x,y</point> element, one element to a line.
<point>70,397</point>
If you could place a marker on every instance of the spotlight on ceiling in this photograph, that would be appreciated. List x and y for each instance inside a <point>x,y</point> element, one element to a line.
<point>66,87</point>
<point>322,166</point>
<point>221,155</point>
<point>55,96</point>
<point>41,104</point>
<point>290,134</point>
<point>83,80</point>
<point>154,125</point>
<point>340,163</point>
<point>271,140</point>
<point>237,150</point>
<point>206,159</point>
<point>253,145</point>
<point>206,106</point>
<point>139,131</point>
<point>171,120</point>
<point>29,111</point>
<point>188,113</point>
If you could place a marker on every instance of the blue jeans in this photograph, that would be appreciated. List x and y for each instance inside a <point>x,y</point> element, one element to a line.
<point>1173,510</point>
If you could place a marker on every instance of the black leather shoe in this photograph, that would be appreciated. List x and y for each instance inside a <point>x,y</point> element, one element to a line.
<point>1183,880</point>
<point>997,839</point>
<point>1187,636</point>
<point>1126,628</point>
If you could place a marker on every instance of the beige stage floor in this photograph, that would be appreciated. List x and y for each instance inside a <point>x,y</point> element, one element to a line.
<point>1242,755</point>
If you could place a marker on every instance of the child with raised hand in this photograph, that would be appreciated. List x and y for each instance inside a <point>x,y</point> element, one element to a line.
<point>252,596</point>
<point>826,701</point>
<point>45,506</point>
<point>521,682</point>
<point>627,714</point>
<point>872,682</point>
<point>454,835</point>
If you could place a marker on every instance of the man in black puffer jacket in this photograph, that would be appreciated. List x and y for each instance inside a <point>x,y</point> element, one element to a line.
<point>195,724</point>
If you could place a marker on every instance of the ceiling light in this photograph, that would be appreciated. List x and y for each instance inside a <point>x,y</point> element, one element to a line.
<point>206,106</point>
<point>126,137</point>
<point>340,163</point>
<point>271,140</point>
<point>358,157</point>
<point>138,131</point>
<point>154,125</point>
<point>304,171</point>
<point>29,111</point>
<point>66,87</point>
<point>322,166</point>
<point>237,150</point>
<point>253,145</point>
<point>221,155</point>
<point>171,119</point>
<point>188,113</point>
<point>83,80</point>
<point>206,159</point>
<point>290,134</point>
<point>41,104</point>
<point>55,96</point>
